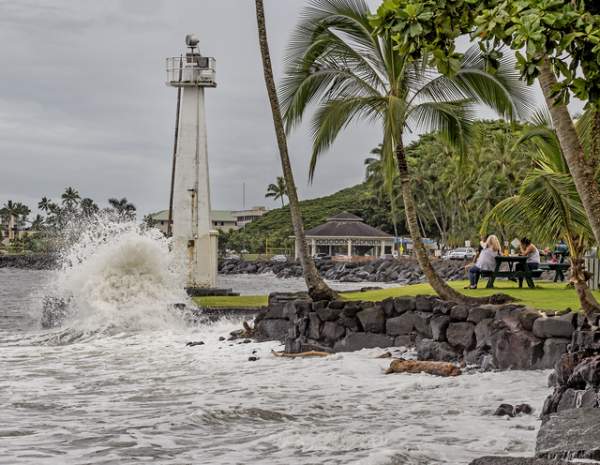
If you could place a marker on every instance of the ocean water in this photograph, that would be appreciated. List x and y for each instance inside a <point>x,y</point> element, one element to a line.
<point>116,383</point>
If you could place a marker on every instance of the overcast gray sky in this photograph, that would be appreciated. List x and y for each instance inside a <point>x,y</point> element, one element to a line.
<point>83,101</point>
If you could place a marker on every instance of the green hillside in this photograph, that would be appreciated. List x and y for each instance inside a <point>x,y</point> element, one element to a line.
<point>276,226</point>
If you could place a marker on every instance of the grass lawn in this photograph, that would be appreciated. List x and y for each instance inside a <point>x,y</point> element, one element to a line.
<point>545,296</point>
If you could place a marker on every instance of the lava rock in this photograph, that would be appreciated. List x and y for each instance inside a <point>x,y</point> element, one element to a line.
<point>428,349</point>
<point>459,313</point>
<point>404,304</point>
<point>423,303</point>
<point>476,314</point>
<point>332,331</point>
<point>554,348</point>
<point>439,324</point>
<point>314,326</point>
<point>516,461</point>
<point>570,434</point>
<point>553,327</point>
<point>400,325</point>
<point>252,358</point>
<point>271,330</point>
<point>195,343</point>
<point>517,350</point>
<point>372,320</point>
<point>505,410</point>
<point>328,314</point>
<point>461,334</point>
<point>358,341</point>
<point>422,324</point>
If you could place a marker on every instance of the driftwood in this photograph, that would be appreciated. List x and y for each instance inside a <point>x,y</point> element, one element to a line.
<point>310,353</point>
<point>418,366</point>
<point>245,333</point>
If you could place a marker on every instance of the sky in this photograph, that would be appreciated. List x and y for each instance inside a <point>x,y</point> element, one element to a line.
<point>83,102</point>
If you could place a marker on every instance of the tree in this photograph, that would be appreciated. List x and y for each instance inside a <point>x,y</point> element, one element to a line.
<point>37,223</point>
<point>340,59</point>
<point>123,208</point>
<point>548,207</point>
<point>317,288</point>
<point>70,198</point>
<point>277,190</point>
<point>88,207</point>
<point>44,204</point>
<point>557,42</point>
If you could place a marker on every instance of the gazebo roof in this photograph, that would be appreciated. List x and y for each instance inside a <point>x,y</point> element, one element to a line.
<point>346,225</point>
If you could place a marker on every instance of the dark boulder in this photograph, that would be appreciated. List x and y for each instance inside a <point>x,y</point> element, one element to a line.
<point>439,324</point>
<point>400,325</point>
<point>372,320</point>
<point>271,330</point>
<point>428,349</point>
<point>527,317</point>
<point>516,461</point>
<point>553,327</point>
<point>424,303</point>
<point>461,335</point>
<point>314,326</point>
<point>422,324</point>
<point>476,314</point>
<point>358,341</point>
<point>459,313</point>
<point>554,348</point>
<point>332,332</point>
<point>517,350</point>
<point>328,314</point>
<point>505,410</point>
<point>404,304</point>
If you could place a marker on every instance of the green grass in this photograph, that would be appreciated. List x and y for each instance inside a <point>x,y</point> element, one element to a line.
<point>545,296</point>
<point>241,301</point>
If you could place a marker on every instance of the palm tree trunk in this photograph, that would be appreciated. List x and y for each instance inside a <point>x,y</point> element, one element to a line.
<point>581,168</point>
<point>579,276</point>
<point>436,282</point>
<point>317,288</point>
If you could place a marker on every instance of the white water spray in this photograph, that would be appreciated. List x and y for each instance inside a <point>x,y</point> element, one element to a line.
<point>118,276</point>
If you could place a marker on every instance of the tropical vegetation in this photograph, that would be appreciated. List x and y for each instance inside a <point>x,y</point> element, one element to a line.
<point>340,60</point>
<point>277,190</point>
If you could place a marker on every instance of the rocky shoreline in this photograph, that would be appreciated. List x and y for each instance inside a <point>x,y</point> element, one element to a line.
<point>29,261</point>
<point>403,270</point>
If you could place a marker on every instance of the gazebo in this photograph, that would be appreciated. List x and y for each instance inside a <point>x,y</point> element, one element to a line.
<point>346,235</point>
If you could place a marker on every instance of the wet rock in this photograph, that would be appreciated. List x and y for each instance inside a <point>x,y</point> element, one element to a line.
<point>517,350</point>
<point>554,348</point>
<point>400,325</point>
<point>428,349</point>
<point>524,409</point>
<point>586,373</point>
<point>439,324</point>
<point>253,358</point>
<point>358,341</point>
<point>246,341</point>
<point>505,410</point>
<point>570,434</point>
<point>483,332</point>
<point>372,320</point>
<point>568,400</point>
<point>195,343</point>
<point>221,338</point>
<point>476,314</point>
<point>589,399</point>
<point>272,330</point>
<point>553,327</point>
<point>461,335</point>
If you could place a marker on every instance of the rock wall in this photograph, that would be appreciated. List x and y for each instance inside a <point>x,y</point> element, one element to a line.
<point>403,270</point>
<point>491,336</point>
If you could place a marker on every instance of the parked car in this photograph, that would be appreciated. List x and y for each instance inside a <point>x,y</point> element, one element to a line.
<point>279,258</point>
<point>322,256</point>
<point>462,253</point>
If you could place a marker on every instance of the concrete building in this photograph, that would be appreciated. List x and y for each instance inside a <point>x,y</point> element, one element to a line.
<point>194,239</point>
<point>223,220</point>
<point>243,217</point>
<point>345,236</point>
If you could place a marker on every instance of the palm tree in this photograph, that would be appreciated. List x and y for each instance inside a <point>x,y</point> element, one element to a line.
<point>88,207</point>
<point>70,197</point>
<point>547,206</point>
<point>37,223</point>
<point>277,190</point>
<point>317,288</point>
<point>583,168</point>
<point>44,204</point>
<point>123,207</point>
<point>339,59</point>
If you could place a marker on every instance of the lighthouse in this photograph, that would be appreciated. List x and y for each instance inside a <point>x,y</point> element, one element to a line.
<point>194,241</point>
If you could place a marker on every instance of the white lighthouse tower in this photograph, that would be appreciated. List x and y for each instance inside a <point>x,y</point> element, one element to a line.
<point>193,239</point>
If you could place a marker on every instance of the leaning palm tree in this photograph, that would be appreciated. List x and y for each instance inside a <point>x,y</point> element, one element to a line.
<point>277,190</point>
<point>547,206</point>
<point>337,58</point>
<point>317,288</point>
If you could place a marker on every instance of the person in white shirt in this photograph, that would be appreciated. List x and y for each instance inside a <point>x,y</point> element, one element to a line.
<point>486,260</point>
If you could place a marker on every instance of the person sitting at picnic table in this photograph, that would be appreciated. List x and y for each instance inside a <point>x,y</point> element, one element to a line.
<point>485,262</point>
<point>531,252</point>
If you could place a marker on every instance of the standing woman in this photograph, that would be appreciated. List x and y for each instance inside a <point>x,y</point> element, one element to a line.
<point>486,260</point>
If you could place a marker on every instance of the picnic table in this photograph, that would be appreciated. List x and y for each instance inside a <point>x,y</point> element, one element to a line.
<point>512,272</point>
<point>558,268</point>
